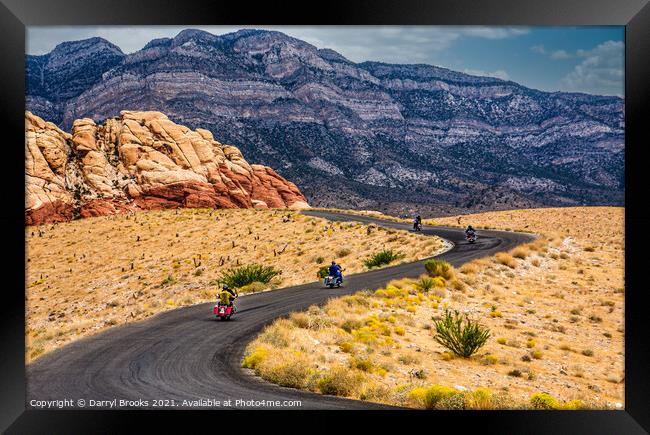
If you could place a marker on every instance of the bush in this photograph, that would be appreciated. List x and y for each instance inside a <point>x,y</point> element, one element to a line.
<point>301,320</point>
<point>343,253</point>
<point>425,283</point>
<point>365,365</point>
<point>291,371</point>
<point>572,405</point>
<point>168,281</point>
<point>520,252</point>
<point>544,401</point>
<point>254,358</point>
<point>346,347</point>
<point>323,272</point>
<point>348,325</point>
<point>386,256</point>
<point>431,397</point>
<point>459,334</point>
<point>249,274</point>
<point>481,398</point>
<point>458,285</point>
<point>489,360</point>
<point>276,334</point>
<point>506,260</point>
<point>341,381</point>
<point>439,268</point>
<point>254,287</point>
<point>530,343</point>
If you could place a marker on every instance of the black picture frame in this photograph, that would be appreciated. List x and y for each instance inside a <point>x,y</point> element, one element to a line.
<point>15,15</point>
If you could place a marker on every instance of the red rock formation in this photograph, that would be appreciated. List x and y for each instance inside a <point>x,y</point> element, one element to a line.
<point>141,160</point>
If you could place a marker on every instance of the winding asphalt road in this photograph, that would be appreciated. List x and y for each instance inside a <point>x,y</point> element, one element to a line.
<point>185,354</point>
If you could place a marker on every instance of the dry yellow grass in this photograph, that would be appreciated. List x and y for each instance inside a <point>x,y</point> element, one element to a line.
<point>87,275</point>
<point>556,320</point>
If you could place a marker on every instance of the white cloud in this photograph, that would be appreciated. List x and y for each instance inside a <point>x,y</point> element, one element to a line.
<point>601,72</point>
<point>494,32</point>
<point>499,74</point>
<point>560,54</point>
<point>553,54</point>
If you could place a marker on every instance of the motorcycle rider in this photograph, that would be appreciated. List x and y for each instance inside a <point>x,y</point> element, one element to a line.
<point>417,223</point>
<point>336,271</point>
<point>470,231</point>
<point>228,296</point>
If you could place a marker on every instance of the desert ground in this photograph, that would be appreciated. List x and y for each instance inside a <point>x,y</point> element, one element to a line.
<point>87,275</point>
<point>554,309</point>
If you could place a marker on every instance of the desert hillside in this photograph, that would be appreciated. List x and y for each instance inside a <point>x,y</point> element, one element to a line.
<point>140,160</point>
<point>86,275</point>
<point>554,309</point>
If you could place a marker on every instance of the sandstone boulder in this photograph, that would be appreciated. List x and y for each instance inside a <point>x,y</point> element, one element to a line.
<point>140,160</point>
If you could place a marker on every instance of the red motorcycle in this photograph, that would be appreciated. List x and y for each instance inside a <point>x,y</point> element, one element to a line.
<point>223,312</point>
<point>471,237</point>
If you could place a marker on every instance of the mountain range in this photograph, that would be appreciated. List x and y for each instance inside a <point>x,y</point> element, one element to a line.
<point>369,135</point>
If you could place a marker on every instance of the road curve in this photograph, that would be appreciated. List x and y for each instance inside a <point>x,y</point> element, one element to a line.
<point>184,354</point>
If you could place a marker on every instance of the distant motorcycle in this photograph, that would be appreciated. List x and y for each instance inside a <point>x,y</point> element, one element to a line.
<point>332,281</point>
<point>471,237</point>
<point>417,226</point>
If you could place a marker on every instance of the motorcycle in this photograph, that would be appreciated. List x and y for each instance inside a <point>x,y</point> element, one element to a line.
<point>471,237</point>
<point>417,226</point>
<point>332,281</point>
<point>223,312</point>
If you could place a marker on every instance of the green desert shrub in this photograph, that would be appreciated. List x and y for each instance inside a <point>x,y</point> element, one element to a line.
<point>425,283</point>
<point>248,274</point>
<point>439,268</point>
<point>386,256</point>
<point>459,334</point>
<point>323,272</point>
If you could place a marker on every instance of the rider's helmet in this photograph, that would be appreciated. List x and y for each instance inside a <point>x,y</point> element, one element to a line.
<point>225,287</point>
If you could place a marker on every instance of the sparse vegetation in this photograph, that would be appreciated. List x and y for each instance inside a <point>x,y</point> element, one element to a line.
<point>506,260</point>
<point>533,300</point>
<point>139,261</point>
<point>460,334</point>
<point>343,252</point>
<point>426,283</point>
<point>387,256</point>
<point>245,275</point>
<point>520,252</point>
<point>340,381</point>
<point>439,268</point>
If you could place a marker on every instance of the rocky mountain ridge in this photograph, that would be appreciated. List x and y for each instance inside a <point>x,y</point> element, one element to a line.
<point>360,135</point>
<point>139,160</point>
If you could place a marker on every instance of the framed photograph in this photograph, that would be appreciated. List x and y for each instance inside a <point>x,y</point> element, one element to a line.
<point>419,210</point>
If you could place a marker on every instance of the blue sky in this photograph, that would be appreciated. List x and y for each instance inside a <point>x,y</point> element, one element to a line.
<point>576,59</point>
